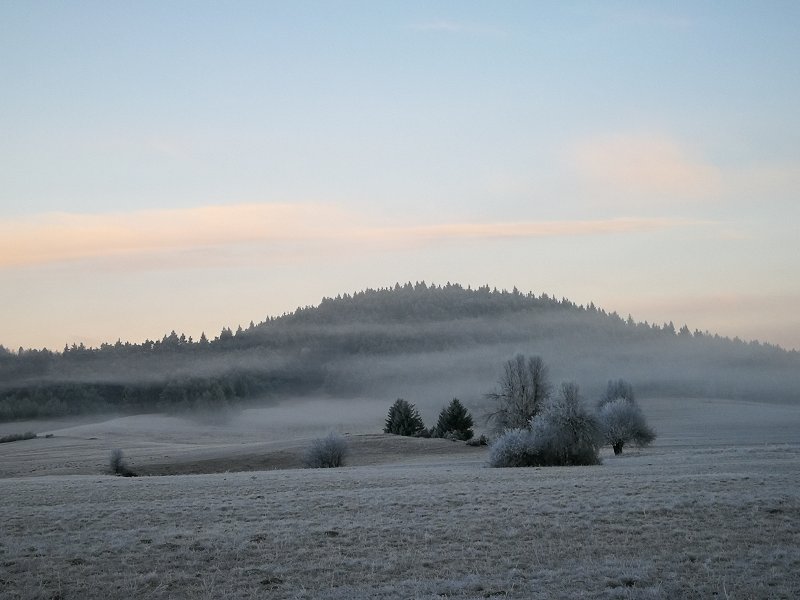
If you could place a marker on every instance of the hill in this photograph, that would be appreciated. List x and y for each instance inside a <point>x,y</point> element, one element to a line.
<point>415,340</point>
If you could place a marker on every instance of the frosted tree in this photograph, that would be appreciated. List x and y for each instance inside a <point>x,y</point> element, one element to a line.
<point>623,422</point>
<point>621,418</point>
<point>524,387</point>
<point>566,432</point>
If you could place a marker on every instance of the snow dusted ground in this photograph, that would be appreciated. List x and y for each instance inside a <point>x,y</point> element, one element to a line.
<point>711,510</point>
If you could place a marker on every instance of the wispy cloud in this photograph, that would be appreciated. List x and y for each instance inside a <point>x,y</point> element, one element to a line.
<point>645,168</point>
<point>200,236</point>
<point>533,229</point>
<point>59,237</point>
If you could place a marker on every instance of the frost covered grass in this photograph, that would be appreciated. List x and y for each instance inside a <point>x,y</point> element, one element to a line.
<point>703,513</point>
<point>699,523</point>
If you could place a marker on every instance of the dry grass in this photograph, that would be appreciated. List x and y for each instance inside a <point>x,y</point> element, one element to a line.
<point>16,437</point>
<point>685,519</point>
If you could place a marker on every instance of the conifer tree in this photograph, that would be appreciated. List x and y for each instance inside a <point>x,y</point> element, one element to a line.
<point>454,420</point>
<point>404,419</point>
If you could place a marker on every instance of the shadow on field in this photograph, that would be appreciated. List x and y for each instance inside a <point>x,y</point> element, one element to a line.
<point>364,449</point>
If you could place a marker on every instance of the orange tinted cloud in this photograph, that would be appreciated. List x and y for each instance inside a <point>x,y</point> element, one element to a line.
<point>645,168</point>
<point>193,236</point>
<point>58,237</point>
<point>538,228</point>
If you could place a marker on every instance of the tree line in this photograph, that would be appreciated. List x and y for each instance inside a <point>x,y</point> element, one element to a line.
<point>300,352</point>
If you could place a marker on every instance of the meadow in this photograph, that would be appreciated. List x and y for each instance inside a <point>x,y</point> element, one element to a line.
<point>711,510</point>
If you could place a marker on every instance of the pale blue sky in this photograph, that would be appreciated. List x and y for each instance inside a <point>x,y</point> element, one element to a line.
<point>190,165</point>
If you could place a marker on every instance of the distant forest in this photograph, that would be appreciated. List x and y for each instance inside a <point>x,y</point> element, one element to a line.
<point>429,338</point>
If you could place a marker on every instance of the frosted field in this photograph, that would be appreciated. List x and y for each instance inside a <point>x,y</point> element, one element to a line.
<point>711,510</point>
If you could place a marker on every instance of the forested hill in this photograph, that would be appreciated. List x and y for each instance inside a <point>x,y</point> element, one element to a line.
<point>383,342</point>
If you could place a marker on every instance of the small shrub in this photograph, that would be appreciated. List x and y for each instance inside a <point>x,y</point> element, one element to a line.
<point>479,441</point>
<point>327,452</point>
<point>404,419</point>
<point>16,437</point>
<point>118,464</point>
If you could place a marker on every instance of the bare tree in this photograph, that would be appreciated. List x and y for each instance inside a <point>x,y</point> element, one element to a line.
<point>524,388</point>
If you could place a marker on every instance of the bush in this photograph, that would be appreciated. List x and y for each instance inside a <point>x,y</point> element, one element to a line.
<point>566,433</point>
<point>514,448</point>
<point>622,422</point>
<point>327,452</point>
<point>563,433</point>
<point>480,441</point>
<point>118,464</point>
<point>404,419</point>
<point>454,422</point>
<point>16,437</point>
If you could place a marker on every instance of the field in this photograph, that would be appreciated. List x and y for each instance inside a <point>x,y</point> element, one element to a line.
<point>711,510</point>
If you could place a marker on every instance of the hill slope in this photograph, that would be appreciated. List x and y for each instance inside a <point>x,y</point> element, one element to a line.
<point>415,341</point>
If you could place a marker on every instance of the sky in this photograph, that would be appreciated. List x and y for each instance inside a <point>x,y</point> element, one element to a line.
<point>192,165</point>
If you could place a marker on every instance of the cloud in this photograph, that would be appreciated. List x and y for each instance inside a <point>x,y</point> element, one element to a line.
<point>535,229</point>
<point>239,234</point>
<point>644,169</point>
<point>59,237</point>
